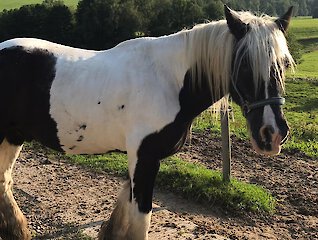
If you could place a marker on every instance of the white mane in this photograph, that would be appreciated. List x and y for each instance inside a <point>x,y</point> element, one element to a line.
<point>211,46</point>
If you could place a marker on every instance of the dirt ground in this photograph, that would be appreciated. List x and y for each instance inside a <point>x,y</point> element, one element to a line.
<point>60,199</point>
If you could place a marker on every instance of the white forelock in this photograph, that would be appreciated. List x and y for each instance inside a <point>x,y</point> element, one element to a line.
<point>265,47</point>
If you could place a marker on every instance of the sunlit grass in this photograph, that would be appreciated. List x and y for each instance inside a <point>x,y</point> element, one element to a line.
<point>308,66</point>
<point>192,181</point>
<point>304,27</point>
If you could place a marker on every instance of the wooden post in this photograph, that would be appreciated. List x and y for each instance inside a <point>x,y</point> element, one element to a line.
<point>226,145</point>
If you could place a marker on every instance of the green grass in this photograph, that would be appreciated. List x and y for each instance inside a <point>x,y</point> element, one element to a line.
<point>304,28</point>
<point>302,114</point>
<point>10,4</point>
<point>308,66</point>
<point>192,181</point>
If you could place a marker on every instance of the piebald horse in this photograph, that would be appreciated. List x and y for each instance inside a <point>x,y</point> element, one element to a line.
<point>139,97</point>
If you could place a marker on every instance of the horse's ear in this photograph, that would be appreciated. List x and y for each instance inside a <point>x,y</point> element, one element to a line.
<point>236,26</point>
<point>283,22</point>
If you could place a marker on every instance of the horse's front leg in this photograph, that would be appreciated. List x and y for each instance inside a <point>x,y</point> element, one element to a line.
<point>13,225</point>
<point>131,218</point>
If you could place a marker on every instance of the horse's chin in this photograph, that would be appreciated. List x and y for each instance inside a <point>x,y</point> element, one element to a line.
<point>276,148</point>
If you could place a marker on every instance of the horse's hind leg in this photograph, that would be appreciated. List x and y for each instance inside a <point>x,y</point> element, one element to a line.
<point>13,225</point>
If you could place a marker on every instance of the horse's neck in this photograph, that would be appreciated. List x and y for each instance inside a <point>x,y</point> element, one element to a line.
<point>171,55</point>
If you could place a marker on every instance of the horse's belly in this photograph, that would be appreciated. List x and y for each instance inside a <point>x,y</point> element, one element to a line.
<point>90,141</point>
<point>89,118</point>
<point>86,127</point>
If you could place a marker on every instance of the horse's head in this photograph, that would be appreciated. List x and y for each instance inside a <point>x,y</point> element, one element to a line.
<point>260,58</point>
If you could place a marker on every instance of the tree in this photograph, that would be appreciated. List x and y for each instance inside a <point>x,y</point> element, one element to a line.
<point>314,9</point>
<point>213,10</point>
<point>47,21</point>
<point>295,47</point>
<point>174,15</point>
<point>104,23</point>
<point>59,25</point>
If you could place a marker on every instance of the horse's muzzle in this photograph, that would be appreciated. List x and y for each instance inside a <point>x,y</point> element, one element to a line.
<point>268,141</point>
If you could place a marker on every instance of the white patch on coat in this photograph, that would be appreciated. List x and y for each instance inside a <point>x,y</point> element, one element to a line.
<point>268,114</point>
<point>269,118</point>
<point>8,154</point>
<point>139,223</point>
<point>69,53</point>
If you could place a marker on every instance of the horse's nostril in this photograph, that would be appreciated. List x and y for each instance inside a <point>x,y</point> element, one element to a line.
<point>266,133</point>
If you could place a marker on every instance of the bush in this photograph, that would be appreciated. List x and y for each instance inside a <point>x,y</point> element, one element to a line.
<point>295,47</point>
<point>315,12</point>
<point>104,23</point>
<point>50,20</point>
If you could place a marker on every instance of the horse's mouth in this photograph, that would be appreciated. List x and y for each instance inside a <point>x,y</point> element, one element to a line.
<point>268,148</point>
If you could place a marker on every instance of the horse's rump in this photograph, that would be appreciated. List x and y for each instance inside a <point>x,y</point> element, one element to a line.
<point>25,79</point>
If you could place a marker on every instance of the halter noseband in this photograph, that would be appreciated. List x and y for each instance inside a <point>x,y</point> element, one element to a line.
<point>248,107</point>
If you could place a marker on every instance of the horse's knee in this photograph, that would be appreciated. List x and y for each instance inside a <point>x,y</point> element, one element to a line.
<point>13,225</point>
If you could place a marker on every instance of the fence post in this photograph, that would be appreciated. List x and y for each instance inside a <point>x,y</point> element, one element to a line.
<point>226,145</point>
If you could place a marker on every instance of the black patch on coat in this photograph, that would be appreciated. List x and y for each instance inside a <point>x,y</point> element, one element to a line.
<point>83,127</point>
<point>168,141</point>
<point>80,138</point>
<point>117,151</point>
<point>26,77</point>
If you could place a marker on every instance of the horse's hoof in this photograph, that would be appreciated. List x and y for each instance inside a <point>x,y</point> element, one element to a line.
<point>22,234</point>
<point>104,232</point>
<point>16,229</point>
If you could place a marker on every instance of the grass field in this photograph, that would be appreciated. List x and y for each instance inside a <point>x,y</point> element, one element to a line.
<point>308,66</point>
<point>304,27</point>
<point>305,30</point>
<point>10,4</point>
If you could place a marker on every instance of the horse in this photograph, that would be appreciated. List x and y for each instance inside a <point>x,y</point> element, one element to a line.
<point>139,97</point>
